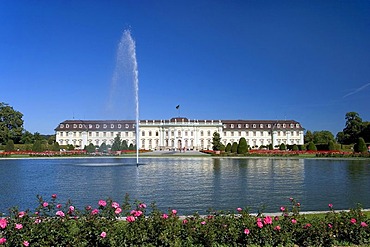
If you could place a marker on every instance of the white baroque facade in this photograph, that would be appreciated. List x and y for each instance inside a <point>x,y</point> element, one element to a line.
<point>179,133</point>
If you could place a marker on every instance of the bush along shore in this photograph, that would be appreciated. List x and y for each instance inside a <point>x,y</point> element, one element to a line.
<point>110,223</point>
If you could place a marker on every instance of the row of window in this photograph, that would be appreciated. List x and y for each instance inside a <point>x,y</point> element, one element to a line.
<point>257,133</point>
<point>97,126</point>
<point>261,126</point>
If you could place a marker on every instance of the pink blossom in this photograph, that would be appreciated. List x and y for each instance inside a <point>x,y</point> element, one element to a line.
<point>294,221</point>
<point>18,226</point>
<point>37,221</point>
<point>267,220</point>
<point>115,205</point>
<point>45,204</point>
<point>363,224</point>
<point>239,209</point>
<point>203,222</point>
<point>130,218</point>
<point>138,213</point>
<point>164,216</point>
<point>118,211</point>
<point>26,243</point>
<point>330,205</point>
<point>259,220</point>
<point>276,218</point>
<point>298,204</point>
<point>277,228</point>
<point>282,209</point>
<point>21,214</point>
<point>307,225</point>
<point>95,211</point>
<point>259,224</point>
<point>88,208</point>
<point>330,225</point>
<point>185,221</point>
<point>102,203</point>
<point>291,199</point>
<point>142,205</point>
<point>60,213</point>
<point>247,231</point>
<point>59,205</point>
<point>174,211</point>
<point>353,221</point>
<point>103,234</point>
<point>71,208</point>
<point>2,240</point>
<point>37,213</point>
<point>54,196</point>
<point>3,223</point>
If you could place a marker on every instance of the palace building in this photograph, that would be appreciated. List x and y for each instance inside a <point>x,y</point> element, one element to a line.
<point>179,133</point>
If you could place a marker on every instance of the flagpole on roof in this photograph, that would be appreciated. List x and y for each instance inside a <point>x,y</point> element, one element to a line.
<point>178,109</point>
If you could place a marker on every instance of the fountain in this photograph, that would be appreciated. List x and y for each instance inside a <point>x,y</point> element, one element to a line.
<point>125,77</point>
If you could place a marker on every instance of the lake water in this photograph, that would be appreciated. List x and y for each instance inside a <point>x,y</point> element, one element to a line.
<point>188,184</point>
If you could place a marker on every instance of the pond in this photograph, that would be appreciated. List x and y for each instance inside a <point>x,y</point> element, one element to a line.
<point>188,184</point>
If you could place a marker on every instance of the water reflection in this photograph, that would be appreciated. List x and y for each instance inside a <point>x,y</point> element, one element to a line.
<point>189,184</point>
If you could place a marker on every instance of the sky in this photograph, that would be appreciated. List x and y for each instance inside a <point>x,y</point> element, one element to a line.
<point>307,61</point>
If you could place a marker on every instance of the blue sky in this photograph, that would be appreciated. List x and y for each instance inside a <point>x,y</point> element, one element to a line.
<point>302,60</point>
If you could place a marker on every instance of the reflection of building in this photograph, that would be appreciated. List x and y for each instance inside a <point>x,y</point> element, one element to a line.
<point>179,132</point>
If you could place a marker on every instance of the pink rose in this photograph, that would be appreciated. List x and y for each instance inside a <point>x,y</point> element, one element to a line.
<point>294,221</point>
<point>203,222</point>
<point>54,196</point>
<point>363,224</point>
<point>246,231</point>
<point>330,205</point>
<point>164,216</point>
<point>59,205</point>
<point>37,221</point>
<point>103,234</point>
<point>276,218</point>
<point>267,220</point>
<point>138,213</point>
<point>118,211</point>
<point>94,211</point>
<point>71,208</point>
<point>307,225</point>
<point>2,240</point>
<point>18,226</point>
<point>282,209</point>
<point>142,205</point>
<point>3,223</point>
<point>185,221</point>
<point>239,209</point>
<point>330,225</point>
<point>130,218</point>
<point>21,214</point>
<point>45,204</point>
<point>60,213</point>
<point>102,203</point>
<point>88,208</point>
<point>26,243</point>
<point>277,228</point>
<point>115,205</point>
<point>174,211</point>
<point>259,224</point>
<point>353,221</point>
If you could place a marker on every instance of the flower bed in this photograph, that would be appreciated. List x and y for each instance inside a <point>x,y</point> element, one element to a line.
<point>133,224</point>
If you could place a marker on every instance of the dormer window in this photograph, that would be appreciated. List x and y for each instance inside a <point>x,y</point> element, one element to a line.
<point>112,126</point>
<point>231,125</point>
<point>62,126</point>
<point>247,125</point>
<point>239,126</point>
<point>254,125</point>
<point>67,126</point>
<point>74,126</point>
<point>104,126</point>
<point>97,126</point>
<point>261,126</point>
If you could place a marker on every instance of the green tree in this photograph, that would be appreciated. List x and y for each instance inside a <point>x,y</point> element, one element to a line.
<point>295,147</point>
<point>116,143</point>
<point>331,146</point>
<point>11,124</point>
<point>9,146</point>
<point>37,146</point>
<point>360,146</point>
<point>234,147</point>
<point>353,128</point>
<point>56,146</point>
<point>51,140</point>
<point>322,137</point>
<point>282,146</point>
<point>124,145</point>
<point>308,137</point>
<point>90,148</point>
<point>228,148</point>
<point>131,147</point>
<point>216,142</point>
<point>365,133</point>
<point>270,147</point>
<point>243,146</point>
<point>103,148</point>
<point>27,138</point>
<point>311,146</point>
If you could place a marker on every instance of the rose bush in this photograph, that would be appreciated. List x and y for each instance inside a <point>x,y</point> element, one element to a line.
<point>109,223</point>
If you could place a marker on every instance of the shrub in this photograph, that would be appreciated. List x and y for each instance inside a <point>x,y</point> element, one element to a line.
<point>234,147</point>
<point>243,146</point>
<point>311,147</point>
<point>282,146</point>
<point>360,146</point>
<point>9,146</point>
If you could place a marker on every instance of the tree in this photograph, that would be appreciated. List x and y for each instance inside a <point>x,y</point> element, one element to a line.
<point>216,142</point>
<point>360,146</point>
<point>243,146</point>
<point>103,148</point>
<point>56,146</point>
<point>234,147</point>
<point>124,145</point>
<point>365,133</point>
<point>322,137</point>
<point>353,128</point>
<point>9,146</point>
<point>308,137</point>
<point>90,148</point>
<point>27,138</point>
<point>37,147</point>
<point>270,147</point>
<point>311,147</point>
<point>228,148</point>
<point>116,143</point>
<point>282,146</point>
<point>131,147</point>
<point>11,124</point>
<point>295,147</point>
<point>331,146</point>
